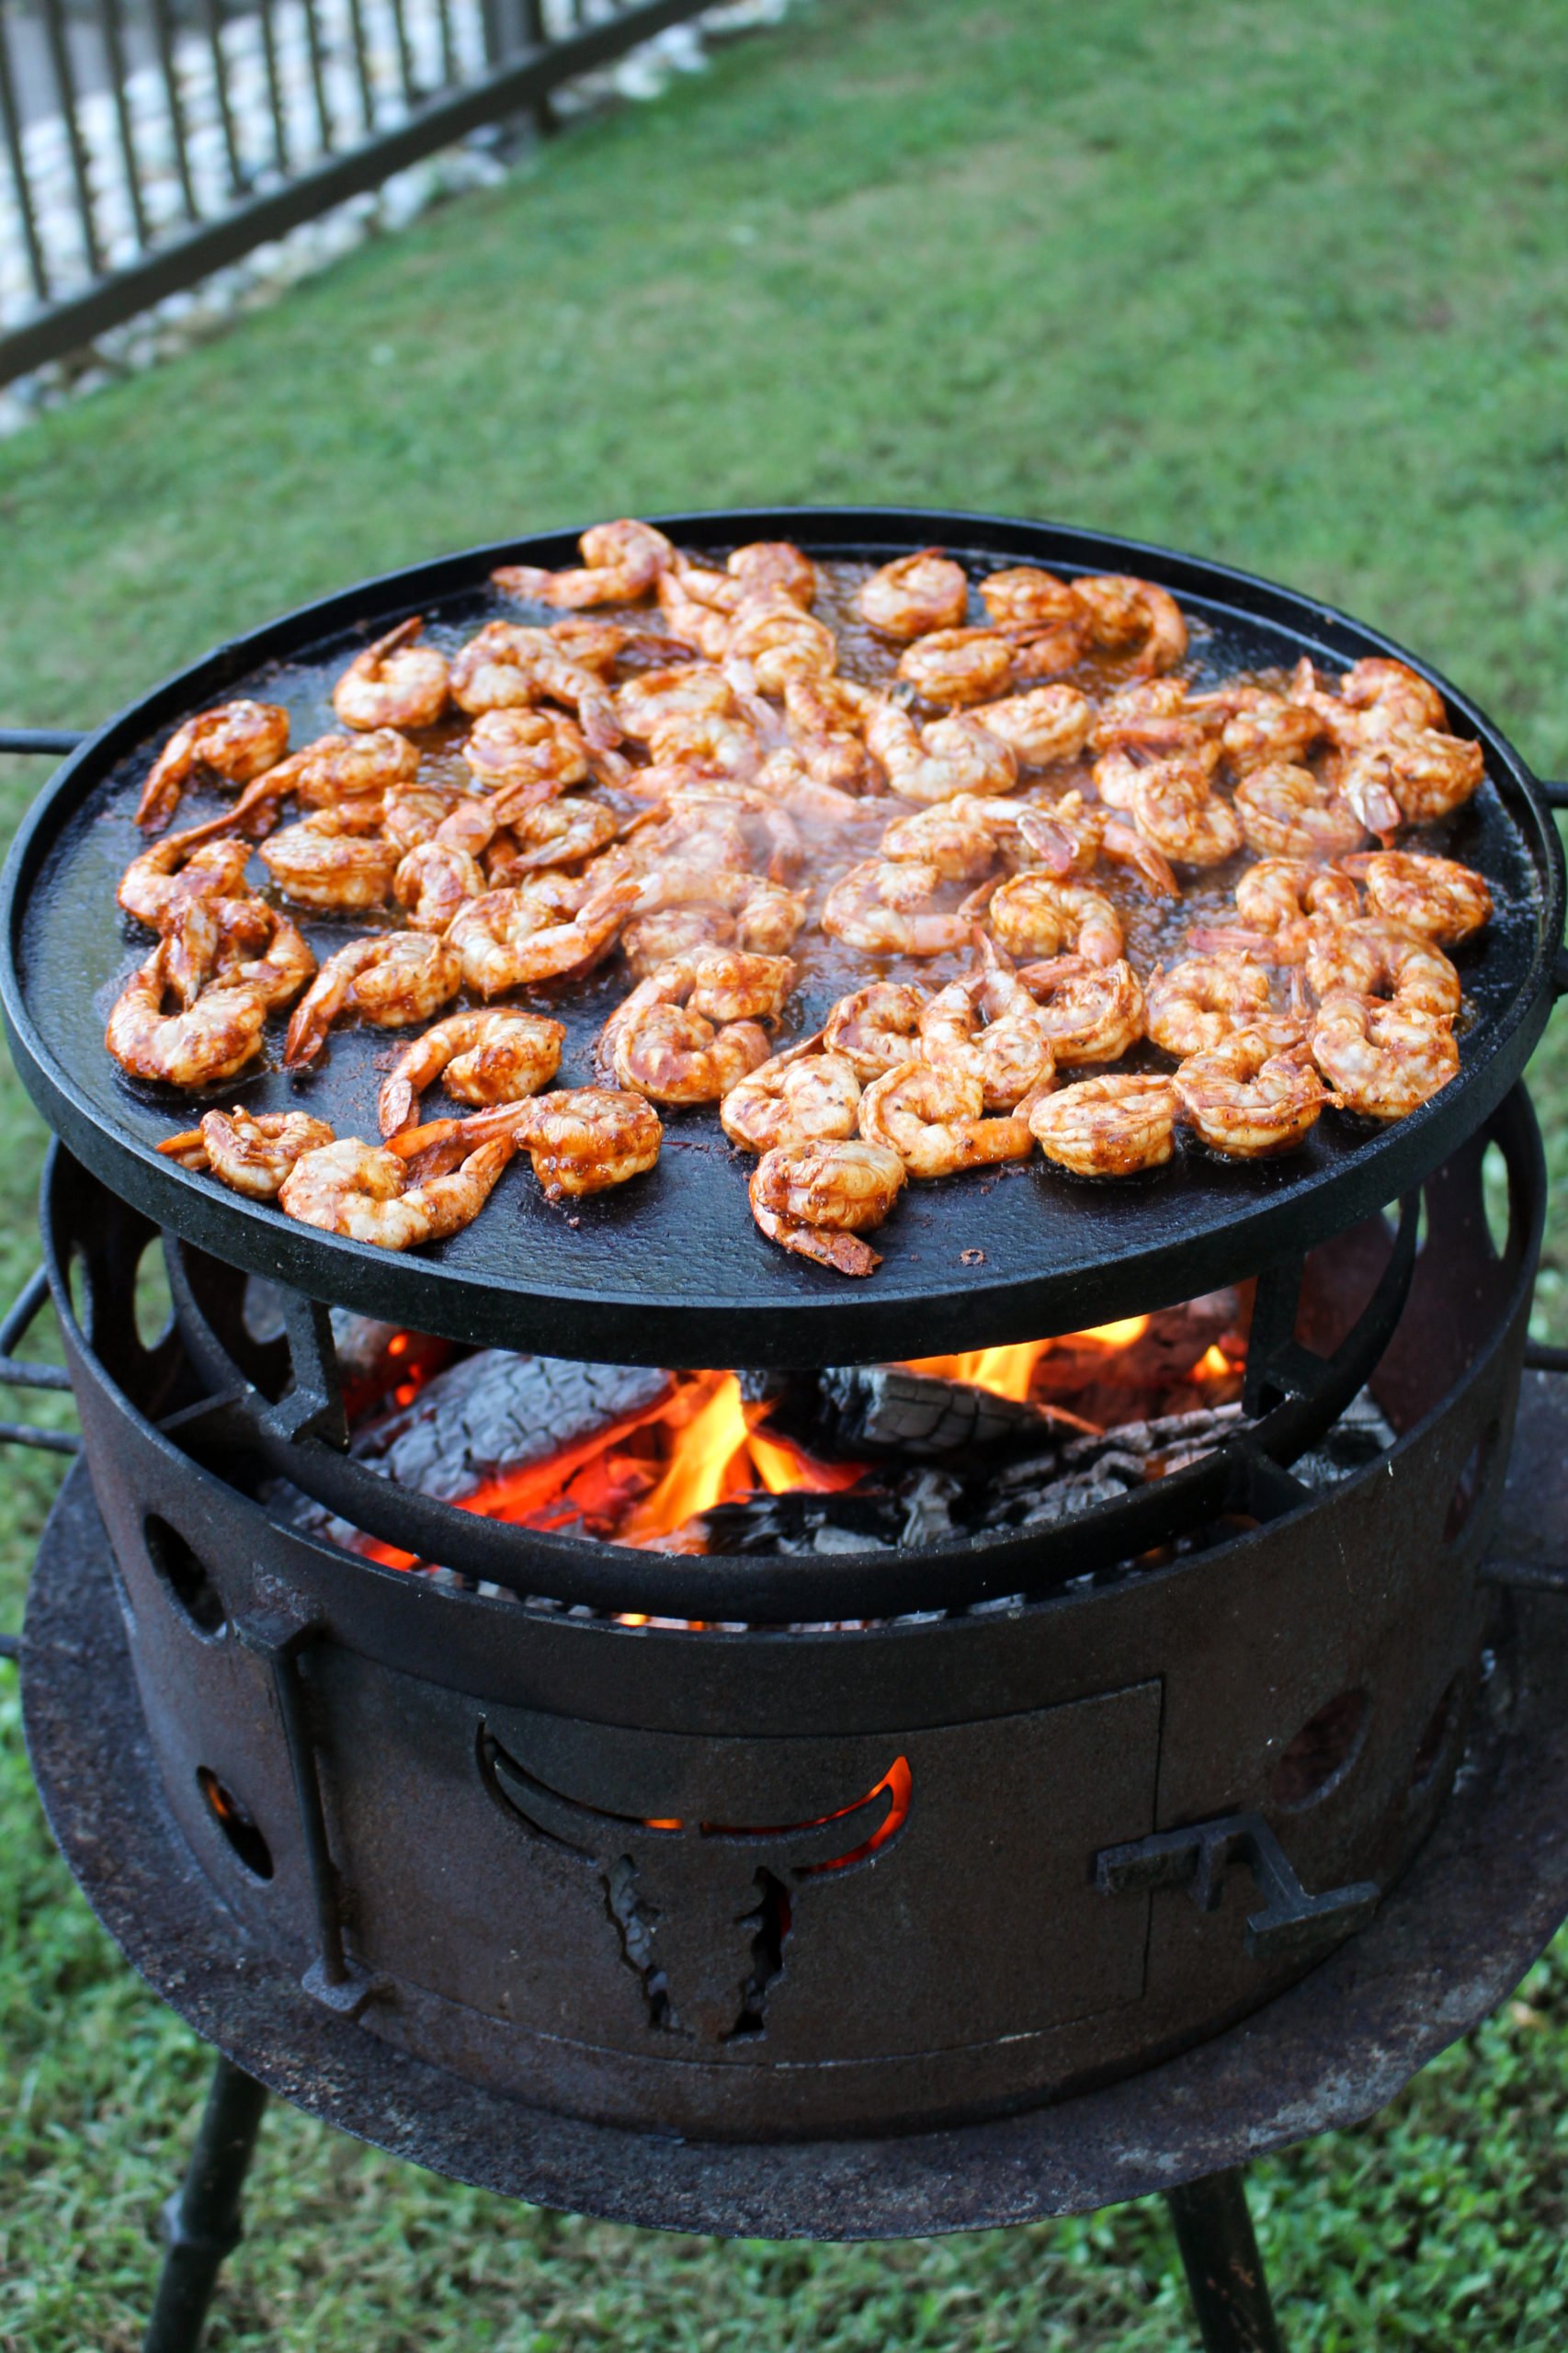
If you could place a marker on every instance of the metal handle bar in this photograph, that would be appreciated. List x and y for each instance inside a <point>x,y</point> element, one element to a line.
<point>41,740</point>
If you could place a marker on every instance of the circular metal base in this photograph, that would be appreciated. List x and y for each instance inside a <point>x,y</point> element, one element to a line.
<point>1481,1900</point>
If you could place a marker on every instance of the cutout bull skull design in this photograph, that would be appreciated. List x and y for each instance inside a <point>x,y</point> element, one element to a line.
<point>703,1910</point>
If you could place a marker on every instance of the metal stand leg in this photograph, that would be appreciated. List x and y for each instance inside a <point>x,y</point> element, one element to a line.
<point>202,2221</point>
<point>1224,2270</point>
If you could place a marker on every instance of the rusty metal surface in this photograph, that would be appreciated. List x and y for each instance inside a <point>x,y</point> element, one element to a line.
<point>1481,1899</point>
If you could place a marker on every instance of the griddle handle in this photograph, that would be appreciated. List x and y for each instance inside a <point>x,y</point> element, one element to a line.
<point>45,741</point>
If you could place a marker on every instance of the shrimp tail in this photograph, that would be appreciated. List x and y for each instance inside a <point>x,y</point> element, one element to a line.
<point>844,1252</point>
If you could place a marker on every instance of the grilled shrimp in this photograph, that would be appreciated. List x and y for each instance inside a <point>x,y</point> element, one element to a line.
<point>933,1116</point>
<point>877,905</point>
<point>689,1032</point>
<point>816,1198</point>
<point>961,838</point>
<point>244,941</point>
<point>1041,727</point>
<point>767,916</point>
<point>519,934</point>
<point>1249,1097</point>
<point>391,980</point>
<point>1390,694</point>
<point>957,665</point>
<point>651,940</point>
<point>1173,808</point>
<point>580,1139</point>
<point>827,720</point>
<point>236,741</point>
<point>774,568</point>
<point>780,642</point>
<point>362,1190</point>
<point>338,767</point>
<point>1119,612</point>
<point>690,745</point>
<point>804,1095</point>
<point>433,881</point>
<point>192,1046</point>
<point>917,594</point>
<point>1279,893</point>
<point>877,1028</point>
<point>175,874</point>
<point>1289,812</point>
<point>935,763</point>
<point>1429,773</point>
<point>1033,915</point>
<point>251,1154</point>
<point>508,667</point>
<point>498,1056</point>
<point>1113,1126</point>
<point>1025,598</point>
<point>1435,896</point>
<point>1069,839</point>
<point>692,690</point>
<point>1092,1013</point>
<point>622,561</point>
<point>561,833</point>
<point>1258,727</point>
<point>333,859</point>
<point>397,682</point>
<point>1375,958</point>
<point>1382,1060</point>
<point>1005,1042</point>
<point>518,746</point>
<point>1204,1000</point>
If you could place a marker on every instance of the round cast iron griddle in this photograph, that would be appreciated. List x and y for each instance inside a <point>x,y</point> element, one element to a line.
<point>671,1269</point>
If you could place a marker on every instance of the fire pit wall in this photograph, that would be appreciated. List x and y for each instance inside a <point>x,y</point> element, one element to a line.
<point>767,1883</point>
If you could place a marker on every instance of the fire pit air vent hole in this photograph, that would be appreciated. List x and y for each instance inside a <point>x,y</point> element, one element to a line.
<point>1322,1753</point>
<point>189,1584</point>
<point>1434,1739</point>
<point>1496,1199</point>
<point>245,1840</point>
<point>1471,1484</point>
<point>152,1300</point>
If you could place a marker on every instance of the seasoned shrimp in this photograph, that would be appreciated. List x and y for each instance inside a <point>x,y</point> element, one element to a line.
<point>560,834</point>
<point>338,767</point>
<point>498,1056</point>
<point>1289,812</point>
<point>236,741</point>
<point>958,837</point>
<point>1120,612</point>
<point>1375,958</point>
<point>877,1028</point>
<point>397,682</point>
<point>1025,597</point>
<point>1250,1096</point>
<point>391,980</point>
<point>691,1032</point>
<point>251,1154</point>
<point>697,745</point>
<point>1203,1000</point>
<point>362,1190</point>
<point>331,859</point>
<point>1092,1013</point>
<point>982,1026</point>
<point>957,665</point>
<point>508,667</point>
<point>433,881</point>
<point>622,561</point>
<point>816,1198</point>
<point>1113,1126</point>
<point>242,941</point>
<point>774,568</point>
<point>1033,915</point>
<point>580,1139</point>
<point>651,940</point>
<point>1258,727</point>
<point>1041,727</point>
<point>1157,720</point>
<point>802,1095</point>
<point>937,763</point>
<point>1173,808</point>
<point>1429,773</point>
<point>883,905</point>
<point>191,1046</point>
<point>827,720</point>
<point>518,746</point>
<point>1069,839</point>
<point>767,915</point>
<point>517,934</point>
<point>175,874</point>
<point>1392,693</point>
<point>1383,1060</point>
<point>1278,893</point>
<point>780,642</point>
<point>916,594</point>
<point>933,1116</point>
<point>693,690</point>
<point>1435,896</point>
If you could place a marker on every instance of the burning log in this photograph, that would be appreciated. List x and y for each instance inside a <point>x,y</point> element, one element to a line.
<point>496,1414</point>
<point>857,1409</point>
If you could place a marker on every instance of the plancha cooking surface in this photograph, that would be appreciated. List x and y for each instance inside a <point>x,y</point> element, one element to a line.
<point>671,1268</point>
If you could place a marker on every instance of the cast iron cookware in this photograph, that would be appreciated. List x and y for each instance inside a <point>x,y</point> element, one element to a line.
<point>671,1269</point>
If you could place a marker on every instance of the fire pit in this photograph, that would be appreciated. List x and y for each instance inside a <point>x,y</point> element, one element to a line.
<point>937,1769</point>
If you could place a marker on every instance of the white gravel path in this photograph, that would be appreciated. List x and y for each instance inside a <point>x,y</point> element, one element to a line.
<point>643,72</point>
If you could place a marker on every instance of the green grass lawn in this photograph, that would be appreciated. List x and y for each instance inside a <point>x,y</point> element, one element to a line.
<point>1284,287</point>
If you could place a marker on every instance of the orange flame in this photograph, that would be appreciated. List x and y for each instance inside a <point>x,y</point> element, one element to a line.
<point>1009,1372</point>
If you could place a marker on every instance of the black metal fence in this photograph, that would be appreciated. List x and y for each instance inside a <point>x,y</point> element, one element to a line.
<point>146,143</point>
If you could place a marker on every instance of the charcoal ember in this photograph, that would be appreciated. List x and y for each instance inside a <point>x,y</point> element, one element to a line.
<point>859,1409</point>
<point>1079,1473</point>
<point>1362,1434</point>
<point>1095,1380</point>
<point>496,1412</point>
<point>374,1360</point>
<point>897,1514</point>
